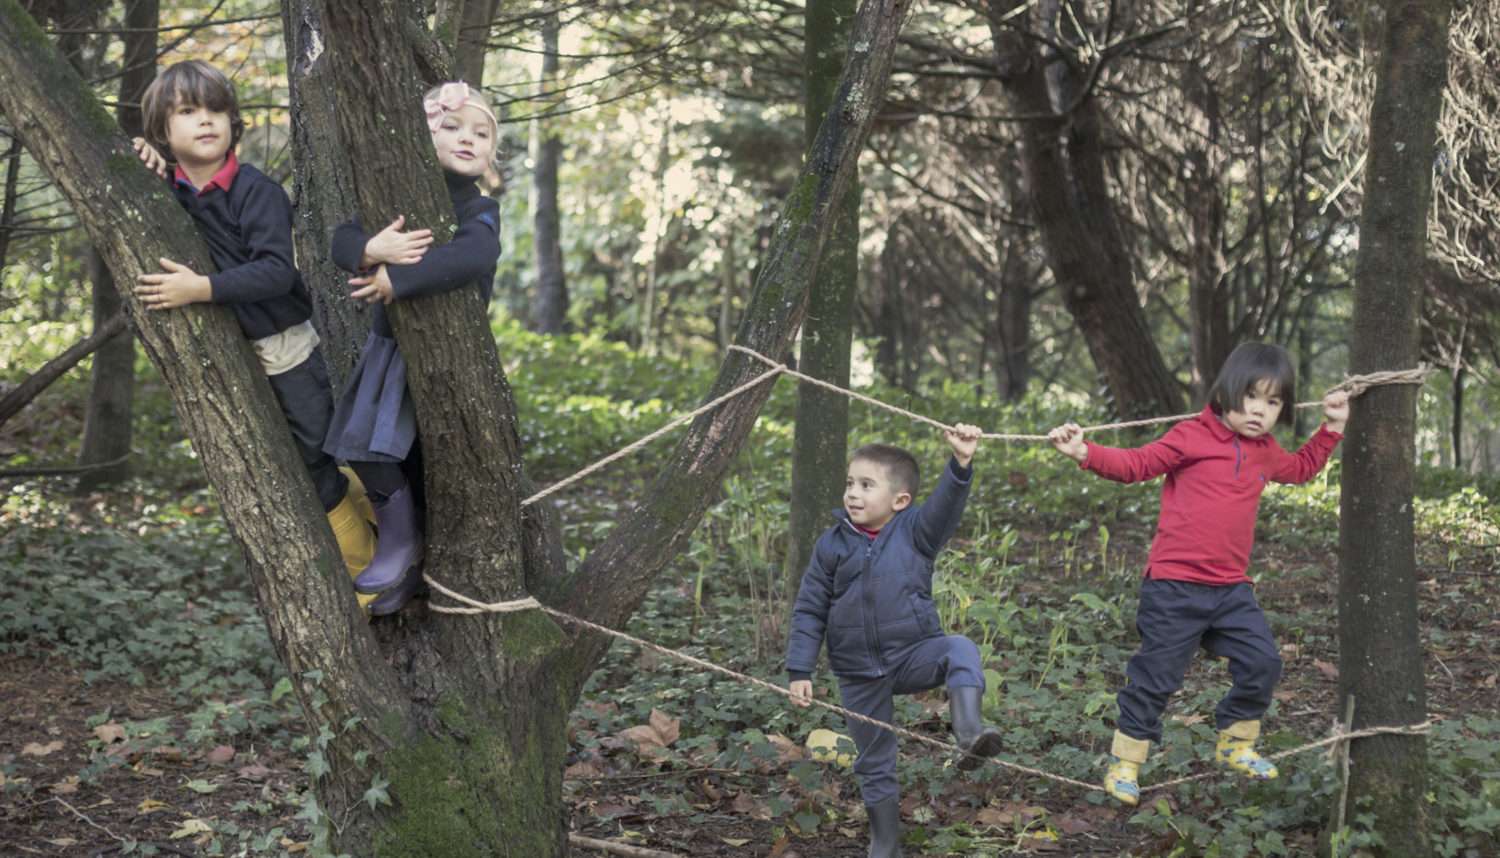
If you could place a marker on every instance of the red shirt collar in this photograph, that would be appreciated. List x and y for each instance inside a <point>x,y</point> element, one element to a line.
<point>866,531</point>
<point>222,179</point>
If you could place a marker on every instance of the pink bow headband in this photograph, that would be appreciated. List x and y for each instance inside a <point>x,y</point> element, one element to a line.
<point>450,98</point>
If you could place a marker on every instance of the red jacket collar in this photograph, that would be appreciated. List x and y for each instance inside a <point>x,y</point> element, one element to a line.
<point>222,179</point>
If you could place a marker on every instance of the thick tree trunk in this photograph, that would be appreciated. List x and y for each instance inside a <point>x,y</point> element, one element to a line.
<point>488,695</point>
<point>222,398</point>
<point>820,440</point>
<point>8,199</point>
<point>1380,649</point>
<point>1063,164</point>
<point>322,190</point>
<point>549,304</point>
<point>107,431</point>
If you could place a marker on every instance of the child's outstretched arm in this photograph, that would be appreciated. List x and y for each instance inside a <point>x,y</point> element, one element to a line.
<point>937,517</point>
<point>1123,465</point>
<point>1303,465</point>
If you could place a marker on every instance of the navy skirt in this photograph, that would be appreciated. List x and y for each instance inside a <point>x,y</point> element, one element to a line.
<point>374,420</point>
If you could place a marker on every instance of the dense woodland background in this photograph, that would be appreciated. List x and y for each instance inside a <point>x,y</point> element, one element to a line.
<point>1063,211</point>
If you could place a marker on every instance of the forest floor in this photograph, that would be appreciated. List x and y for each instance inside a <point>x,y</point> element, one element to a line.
<point>97,787</point>
<point>142,711</point>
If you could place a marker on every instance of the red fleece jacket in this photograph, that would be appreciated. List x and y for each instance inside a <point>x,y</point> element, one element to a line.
<point>1208,504</point>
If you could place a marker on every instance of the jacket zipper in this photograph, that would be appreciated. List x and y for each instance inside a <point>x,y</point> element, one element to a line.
<point>867,596</point>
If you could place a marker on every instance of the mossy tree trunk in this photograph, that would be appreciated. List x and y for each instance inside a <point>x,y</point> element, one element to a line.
<point>1380,649</point>
<point>820,439</point>
<point>1063,163</point>
<point>464,717</point>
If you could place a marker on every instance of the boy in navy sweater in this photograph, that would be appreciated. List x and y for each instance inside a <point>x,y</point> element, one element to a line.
<point>868,592</point>
<point>246,220</point>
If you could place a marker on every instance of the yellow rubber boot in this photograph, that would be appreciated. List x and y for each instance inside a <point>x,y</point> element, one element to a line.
<point>1126,756</point>
<point>356,541</point>
<point>1235,750</point>
<point>356,493</point>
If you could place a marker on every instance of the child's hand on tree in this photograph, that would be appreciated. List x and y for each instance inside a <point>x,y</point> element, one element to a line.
<point>1336,410</point>
<point>391,246</point>
<point>1068,440</point>
<point>964,439</point>
<point>179,286</point>
<point>802,691</point>
<point>149,156</point>
<point>376,288</point>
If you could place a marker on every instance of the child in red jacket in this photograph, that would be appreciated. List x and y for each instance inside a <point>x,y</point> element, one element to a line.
<point>1195,591</point>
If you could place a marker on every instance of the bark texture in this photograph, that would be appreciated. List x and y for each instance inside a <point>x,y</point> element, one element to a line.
<point>820,440</point>
<point>1380,650</point>
<point>1063,163</point>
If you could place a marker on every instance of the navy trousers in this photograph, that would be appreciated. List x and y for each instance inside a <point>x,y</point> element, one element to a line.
<point>952,660</point>
<point>1174,619</point>
<point>307,401</point>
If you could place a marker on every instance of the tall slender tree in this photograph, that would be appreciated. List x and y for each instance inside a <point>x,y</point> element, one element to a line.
<point>106,422</point>
<point>1380,649</point>
<point>820,439</point>
<point>549,303</point>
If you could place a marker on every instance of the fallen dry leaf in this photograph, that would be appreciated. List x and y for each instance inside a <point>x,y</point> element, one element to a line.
<point>582,770</point>
<point>254,772</point>
<point>150,805</point>
<point>666,726</point>
<point>34,749</point>
<point>110,733</point>
<point>66,786</point>
<point>220,755</point>
<point>63,841</point>
<point>1329,670</point>
<point>191,827</point>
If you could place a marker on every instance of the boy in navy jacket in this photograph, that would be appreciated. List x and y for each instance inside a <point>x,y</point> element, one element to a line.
<point>867,591</point>
<point>245,219</point>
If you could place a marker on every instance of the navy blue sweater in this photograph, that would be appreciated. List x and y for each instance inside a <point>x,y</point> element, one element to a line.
<point>872,598</point>
<point>469,257</point>
<point>249,235</point>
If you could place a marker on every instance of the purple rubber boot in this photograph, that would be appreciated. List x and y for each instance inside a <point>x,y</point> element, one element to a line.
<point>398,548</point>
<point>395,598</point>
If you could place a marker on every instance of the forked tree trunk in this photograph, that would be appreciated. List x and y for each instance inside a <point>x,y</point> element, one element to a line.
<point>463,716</point>
<point>820,439</point>
<point>1063,164</point>
<point>1380,649</point>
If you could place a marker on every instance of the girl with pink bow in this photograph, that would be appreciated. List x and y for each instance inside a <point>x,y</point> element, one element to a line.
<point>374,425</point>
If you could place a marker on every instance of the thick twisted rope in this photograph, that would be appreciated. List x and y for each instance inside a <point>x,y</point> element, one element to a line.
<point>473,606</point>
<point>1355,385</point>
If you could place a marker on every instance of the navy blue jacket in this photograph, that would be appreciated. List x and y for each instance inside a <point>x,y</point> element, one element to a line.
<point>468,257</point>
<point>872,598</point>
<point>249,235</point>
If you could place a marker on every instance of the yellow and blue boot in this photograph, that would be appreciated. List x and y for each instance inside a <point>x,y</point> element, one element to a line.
<point>1125,758</point>
<point>351,528</point>
<point>1235,750</point>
